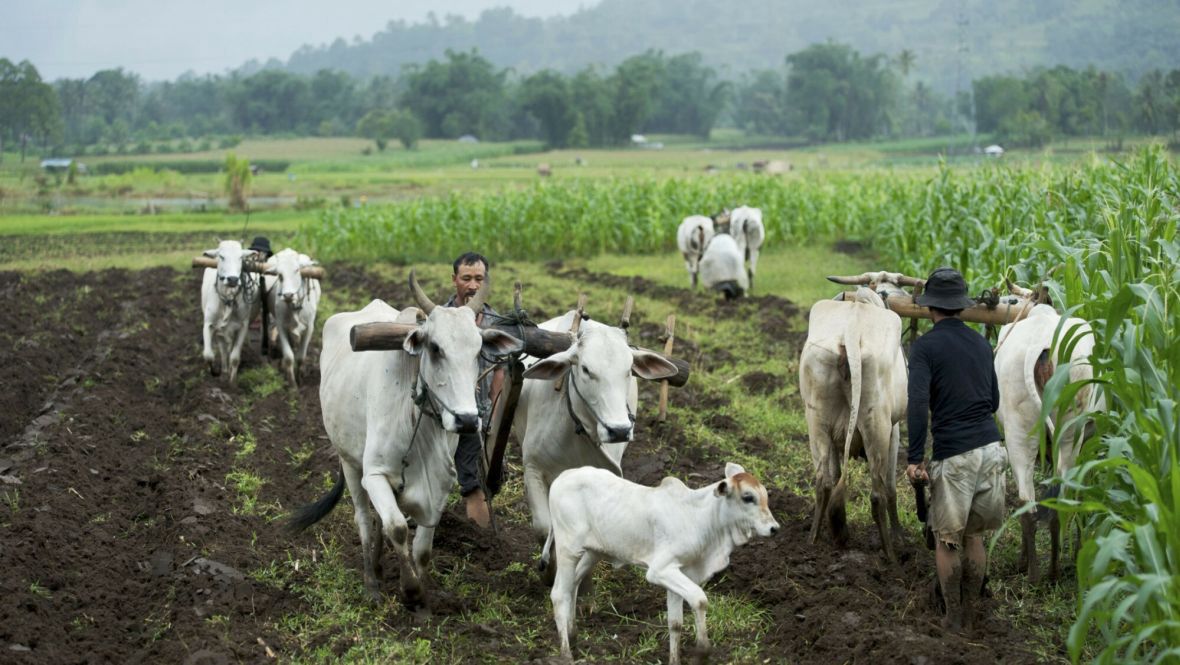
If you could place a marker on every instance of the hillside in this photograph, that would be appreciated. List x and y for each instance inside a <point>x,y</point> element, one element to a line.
<point>991,36</point>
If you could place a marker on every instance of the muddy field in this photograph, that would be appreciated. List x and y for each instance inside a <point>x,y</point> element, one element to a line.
<point>124,538</point>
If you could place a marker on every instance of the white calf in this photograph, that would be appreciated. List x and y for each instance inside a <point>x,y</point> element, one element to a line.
<point>293,301</point>
<point>682,536</point>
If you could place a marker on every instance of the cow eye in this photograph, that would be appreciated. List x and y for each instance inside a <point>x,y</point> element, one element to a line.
<point>748,498</point>
<point>435,350</point>
<point>586,371</point>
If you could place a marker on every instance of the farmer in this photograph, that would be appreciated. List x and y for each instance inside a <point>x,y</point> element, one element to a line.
<point>470,271</point>
<point>261,244</point>
<point>952,379</point>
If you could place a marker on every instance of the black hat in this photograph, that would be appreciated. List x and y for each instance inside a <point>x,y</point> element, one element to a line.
<point>945,289</point>
<point>261,245</point>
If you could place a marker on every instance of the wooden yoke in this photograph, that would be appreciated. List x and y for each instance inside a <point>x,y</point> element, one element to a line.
<point>311,272</point>
<point>1010,309</point>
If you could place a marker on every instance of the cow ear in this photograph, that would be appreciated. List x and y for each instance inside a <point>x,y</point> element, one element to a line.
<point>500,343</point>
<point>211,253</point>
<point>651,366</point>
<point>414,342</point>
<point>553,367</point>
<point>732,469</point>
<point>722,488</point>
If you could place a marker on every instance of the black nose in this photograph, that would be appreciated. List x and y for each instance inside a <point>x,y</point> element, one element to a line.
<point>467,423</point>
<point>773,530</point>
<point>618,434</point>
<point>232,281</point>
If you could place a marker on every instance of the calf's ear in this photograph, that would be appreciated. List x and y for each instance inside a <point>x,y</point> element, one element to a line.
<point>732,469</point>
<point>722,488</point>
<point>211,253</point>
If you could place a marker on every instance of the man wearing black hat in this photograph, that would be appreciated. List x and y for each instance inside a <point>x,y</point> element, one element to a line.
<point>953,380</point>
<point>261,245</point>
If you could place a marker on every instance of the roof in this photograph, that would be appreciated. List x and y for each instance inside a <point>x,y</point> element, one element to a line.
<point>56,163</point>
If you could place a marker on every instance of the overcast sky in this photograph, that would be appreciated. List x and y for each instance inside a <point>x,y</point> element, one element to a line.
<point>161,39</point>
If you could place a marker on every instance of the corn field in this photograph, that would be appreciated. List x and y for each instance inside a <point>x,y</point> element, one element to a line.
<point>1101,236</point>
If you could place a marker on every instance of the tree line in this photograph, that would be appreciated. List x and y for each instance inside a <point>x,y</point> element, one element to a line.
<point>827,92</point>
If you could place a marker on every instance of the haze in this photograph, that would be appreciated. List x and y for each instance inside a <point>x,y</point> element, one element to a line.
<point>162,40</point>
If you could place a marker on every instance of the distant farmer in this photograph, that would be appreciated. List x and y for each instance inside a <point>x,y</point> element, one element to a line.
<point>261,244</point>
<point>470,271</point>
<point>952,379</point>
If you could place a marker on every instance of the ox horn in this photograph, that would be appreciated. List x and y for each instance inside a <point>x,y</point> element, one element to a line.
<point>1019,291</point>
<point>863,278</point>
<point>625,318</point>
<point>480,297</point>
<point>424,303</point>
<point>906,280</point>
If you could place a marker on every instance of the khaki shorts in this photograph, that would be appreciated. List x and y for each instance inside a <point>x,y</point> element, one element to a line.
<point>967,493</point>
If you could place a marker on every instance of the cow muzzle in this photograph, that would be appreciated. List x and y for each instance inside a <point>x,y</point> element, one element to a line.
<point>767,527</point>
<point>231,281</point>
<point>615,434</point>
<point>466,423</point>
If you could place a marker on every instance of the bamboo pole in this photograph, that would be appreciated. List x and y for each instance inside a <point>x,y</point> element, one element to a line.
<point>1010,309</point>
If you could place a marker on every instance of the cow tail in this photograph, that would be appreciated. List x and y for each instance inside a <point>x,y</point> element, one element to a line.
<point>852,349</point>
<point>1031,354</point>
<point>313,512</point>
<point>546,551</point>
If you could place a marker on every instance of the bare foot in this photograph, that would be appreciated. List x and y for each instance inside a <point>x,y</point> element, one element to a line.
<point>477,509</point>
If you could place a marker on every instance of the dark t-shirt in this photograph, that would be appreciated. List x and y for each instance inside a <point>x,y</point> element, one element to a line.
<point>953,380</point>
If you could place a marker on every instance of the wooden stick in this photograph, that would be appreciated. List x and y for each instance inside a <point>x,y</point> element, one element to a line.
<point>625,319</point>
<point>517,299</point>
<point>670,330</point>
<point>579,312</point>
<point>1010,310</point>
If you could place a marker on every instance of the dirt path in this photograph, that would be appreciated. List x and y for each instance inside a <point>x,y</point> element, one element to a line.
<point>120,542</point>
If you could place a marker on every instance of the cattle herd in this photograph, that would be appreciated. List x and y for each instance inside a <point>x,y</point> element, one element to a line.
<point>394,417</point>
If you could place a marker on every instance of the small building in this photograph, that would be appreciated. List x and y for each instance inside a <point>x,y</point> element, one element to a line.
<point>993,150</point>
<point>60,165</point>
<point>468,138</point>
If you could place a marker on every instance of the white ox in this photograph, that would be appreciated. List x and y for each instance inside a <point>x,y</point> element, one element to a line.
<point>396,455</point>
<point>293,301</point>
<point>591,420</point>
<point>745,225</point>
<point>682,536</point>
<point>1026,357</point>
<point>852,378</point>
<point>722,267</point>
<point>230,300</point>
<point>694,234</point>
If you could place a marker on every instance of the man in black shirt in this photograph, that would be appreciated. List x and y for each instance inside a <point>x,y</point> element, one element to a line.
<point>952,379</point>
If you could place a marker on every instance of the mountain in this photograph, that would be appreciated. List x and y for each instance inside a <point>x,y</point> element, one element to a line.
<point>954,40</point>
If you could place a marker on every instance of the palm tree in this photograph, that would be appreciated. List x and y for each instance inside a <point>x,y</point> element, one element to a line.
<point>905,62</point>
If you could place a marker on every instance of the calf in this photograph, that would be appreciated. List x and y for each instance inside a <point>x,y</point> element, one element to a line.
<point>682,536</point>
<point>294,300</point>
<point>230,299</point>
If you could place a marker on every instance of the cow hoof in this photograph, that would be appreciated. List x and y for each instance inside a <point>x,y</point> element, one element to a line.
<point>700,655</point>
<point>214,370</point>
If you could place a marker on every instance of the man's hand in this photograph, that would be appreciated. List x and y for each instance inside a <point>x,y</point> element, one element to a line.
<point>916,472</point>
